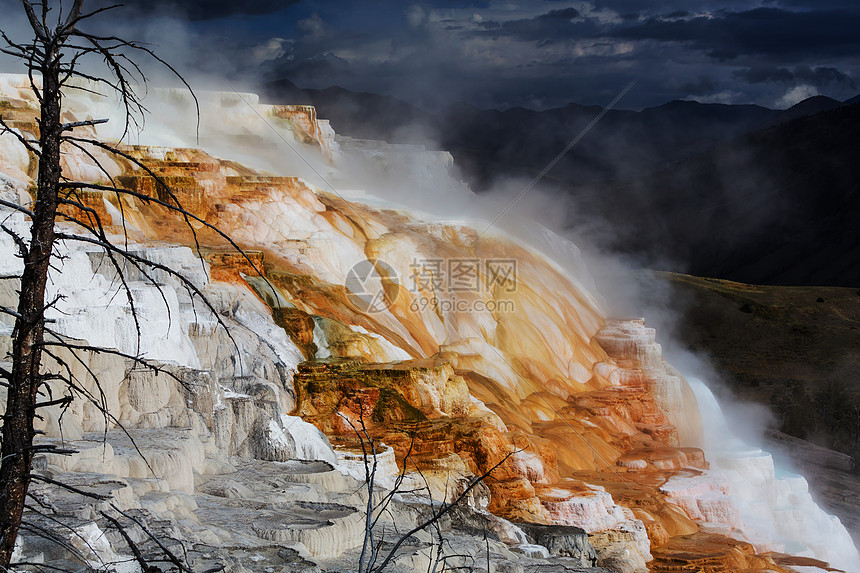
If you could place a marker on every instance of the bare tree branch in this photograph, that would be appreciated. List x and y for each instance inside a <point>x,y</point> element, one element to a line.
<point>145,567</point>
<point>70,488</point>
<point>16,207</point>
<point>167,552</point>
<point>28,144</point>
<point>446,507</point>
<point>90,122</point>
<point>144,261</point>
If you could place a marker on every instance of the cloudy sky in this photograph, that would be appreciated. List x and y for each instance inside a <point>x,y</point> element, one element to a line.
<point>504,53</point>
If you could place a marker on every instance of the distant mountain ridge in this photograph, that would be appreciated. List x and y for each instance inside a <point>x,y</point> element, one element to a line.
<point>490,144</point>
<point>776,206</point>
<point>809,106</point>
<point>740,192</point>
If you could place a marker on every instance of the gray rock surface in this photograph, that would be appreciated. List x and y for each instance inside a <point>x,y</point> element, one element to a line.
<point>564,541</point>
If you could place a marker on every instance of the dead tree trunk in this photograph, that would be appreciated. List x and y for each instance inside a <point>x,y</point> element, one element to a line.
<point>28,336</point>
<point>55,52</point>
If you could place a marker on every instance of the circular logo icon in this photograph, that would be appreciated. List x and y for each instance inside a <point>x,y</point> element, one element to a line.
<point>372,285</point>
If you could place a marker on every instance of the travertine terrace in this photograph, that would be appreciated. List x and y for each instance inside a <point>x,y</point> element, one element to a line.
<point>603,434</point>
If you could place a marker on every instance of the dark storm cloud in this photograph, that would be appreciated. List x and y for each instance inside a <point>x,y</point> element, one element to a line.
<point>702,85</point>
<point>503,53</point>
<point>762,31</point>
<point>551,26</point>
<point>208,9</point>
<point>820,76</point>
<point>819,4</point>
<point>546,53</point>
<point>764,74</point>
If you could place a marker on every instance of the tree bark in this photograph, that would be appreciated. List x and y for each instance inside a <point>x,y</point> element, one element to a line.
<point>17,437</point>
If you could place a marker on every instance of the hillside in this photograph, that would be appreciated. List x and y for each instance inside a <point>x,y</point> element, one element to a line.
<point>773,207</point>
<point>767,339</point>
<point>795,351</point>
